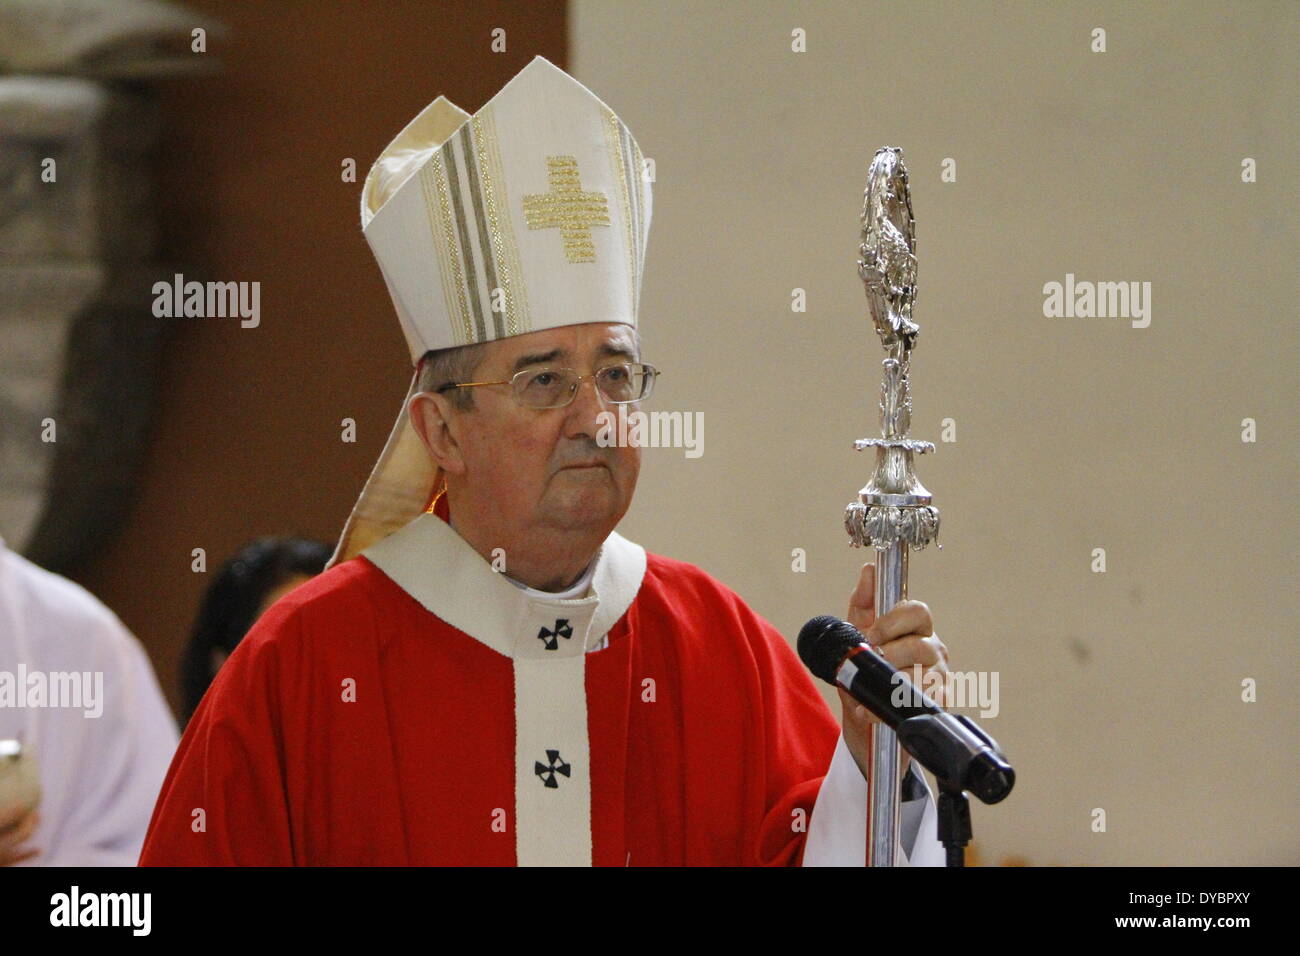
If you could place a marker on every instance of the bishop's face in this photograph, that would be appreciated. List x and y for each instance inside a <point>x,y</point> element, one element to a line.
<point>544,466</point>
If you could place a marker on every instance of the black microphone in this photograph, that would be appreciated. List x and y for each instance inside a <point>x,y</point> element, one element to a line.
<point>951,746</point>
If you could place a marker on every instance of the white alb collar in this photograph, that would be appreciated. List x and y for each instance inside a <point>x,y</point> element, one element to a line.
<point>437,567</point>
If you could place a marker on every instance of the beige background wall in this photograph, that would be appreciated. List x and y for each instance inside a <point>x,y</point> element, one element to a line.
<point>1119,690</point>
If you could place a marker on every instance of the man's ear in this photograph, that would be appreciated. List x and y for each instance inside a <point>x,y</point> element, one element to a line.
<point>431,417</point>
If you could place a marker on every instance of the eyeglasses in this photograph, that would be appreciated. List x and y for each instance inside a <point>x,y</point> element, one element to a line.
<point>556,387</point>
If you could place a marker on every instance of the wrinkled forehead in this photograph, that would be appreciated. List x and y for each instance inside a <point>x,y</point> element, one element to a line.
<point>567,343</point>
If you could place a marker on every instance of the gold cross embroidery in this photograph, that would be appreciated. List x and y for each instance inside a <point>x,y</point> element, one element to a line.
<point>568,208</point>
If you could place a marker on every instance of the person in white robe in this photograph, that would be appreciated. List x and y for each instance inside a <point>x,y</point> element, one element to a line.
<point>78,694</point>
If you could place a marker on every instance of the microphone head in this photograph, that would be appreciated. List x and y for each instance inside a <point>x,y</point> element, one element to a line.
<point>990,778</point>
<point>823,642</point>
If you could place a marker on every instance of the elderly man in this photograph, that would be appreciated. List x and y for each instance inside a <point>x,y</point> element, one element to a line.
<point>490,673</point>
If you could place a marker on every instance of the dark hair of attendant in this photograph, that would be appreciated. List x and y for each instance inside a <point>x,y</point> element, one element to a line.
<point>233,601</point>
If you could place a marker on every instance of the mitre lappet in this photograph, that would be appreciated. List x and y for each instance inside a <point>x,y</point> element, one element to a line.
<point>533,213</point>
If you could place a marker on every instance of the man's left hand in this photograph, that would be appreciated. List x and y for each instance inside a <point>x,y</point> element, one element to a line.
<point>905,637</point>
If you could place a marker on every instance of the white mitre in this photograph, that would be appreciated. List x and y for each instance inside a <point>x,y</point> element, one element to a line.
<point>531,214</point>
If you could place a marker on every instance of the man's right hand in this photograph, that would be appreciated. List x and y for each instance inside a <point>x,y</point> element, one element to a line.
<point>17,824</point>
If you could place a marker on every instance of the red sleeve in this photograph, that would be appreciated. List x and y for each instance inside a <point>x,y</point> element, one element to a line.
<point>757,735</point>
<point>800,734</point>
<point>787,731</point>
<point>224,800</point>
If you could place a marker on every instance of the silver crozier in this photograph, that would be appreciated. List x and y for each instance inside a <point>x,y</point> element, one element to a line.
<point>893,512</point>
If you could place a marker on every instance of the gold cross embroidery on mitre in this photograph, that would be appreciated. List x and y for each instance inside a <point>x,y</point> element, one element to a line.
<point>568,208</point>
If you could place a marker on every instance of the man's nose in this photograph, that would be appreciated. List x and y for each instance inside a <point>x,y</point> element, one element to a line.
<point>587,404</point>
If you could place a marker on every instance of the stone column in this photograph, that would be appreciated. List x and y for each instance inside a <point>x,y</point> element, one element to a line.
<point>78,258</point>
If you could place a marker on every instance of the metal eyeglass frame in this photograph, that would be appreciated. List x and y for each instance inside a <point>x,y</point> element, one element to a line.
<point>649,371</point>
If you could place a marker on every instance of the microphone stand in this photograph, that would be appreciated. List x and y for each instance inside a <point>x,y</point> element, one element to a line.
<point>954,823</point>
<point>948,757</point>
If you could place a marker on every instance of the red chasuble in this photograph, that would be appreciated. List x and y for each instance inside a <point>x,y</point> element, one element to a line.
<point>411,706</point>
